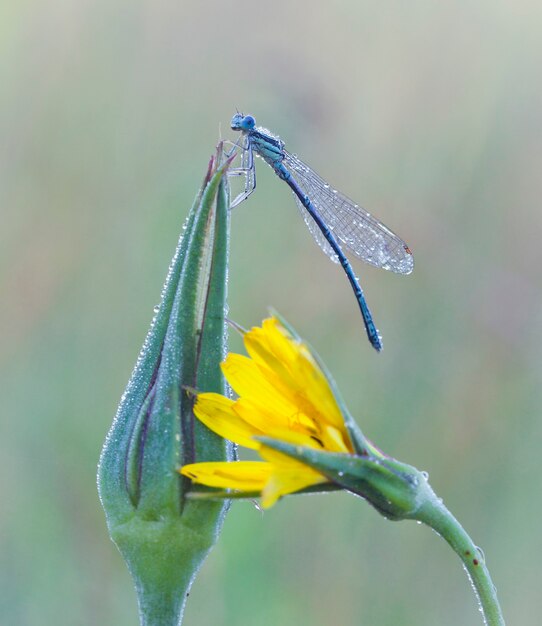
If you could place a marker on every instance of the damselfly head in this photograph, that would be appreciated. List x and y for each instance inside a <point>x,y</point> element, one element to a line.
<point>242,122</point>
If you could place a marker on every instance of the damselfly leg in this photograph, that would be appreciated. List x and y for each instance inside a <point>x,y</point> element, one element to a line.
<point>247,170</point>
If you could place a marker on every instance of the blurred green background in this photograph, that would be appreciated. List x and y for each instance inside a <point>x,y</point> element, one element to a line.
<point>428,114</point>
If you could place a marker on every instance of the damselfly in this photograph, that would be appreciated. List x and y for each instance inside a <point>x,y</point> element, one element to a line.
<point>330,216</point>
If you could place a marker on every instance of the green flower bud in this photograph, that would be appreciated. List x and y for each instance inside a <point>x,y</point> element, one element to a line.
<point>162,536</point>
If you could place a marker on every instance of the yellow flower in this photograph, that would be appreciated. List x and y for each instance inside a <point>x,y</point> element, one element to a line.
<point>284,395</point>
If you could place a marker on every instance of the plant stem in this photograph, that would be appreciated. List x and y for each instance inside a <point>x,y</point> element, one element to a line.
<point>433,513</point>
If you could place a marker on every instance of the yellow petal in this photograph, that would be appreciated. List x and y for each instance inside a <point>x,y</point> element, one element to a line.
<point>261,403</point>
<point>288,477</point>
<point>279,340</point>
<point>273,352</point>
<point>316,387</point>
<point>273,424</point>
<point>290,368</point>
<point>247,380</point>
<point>238,475</point>
<point>335,440</point>
<point>217,413</point>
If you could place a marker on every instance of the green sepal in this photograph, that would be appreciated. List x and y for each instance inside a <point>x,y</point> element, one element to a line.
<point>395,489</point>
<point>163,536</point>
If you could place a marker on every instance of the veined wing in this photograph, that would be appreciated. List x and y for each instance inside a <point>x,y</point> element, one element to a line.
<point>359,231</point>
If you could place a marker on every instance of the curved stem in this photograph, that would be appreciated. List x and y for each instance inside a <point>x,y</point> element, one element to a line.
<point>433,513</point>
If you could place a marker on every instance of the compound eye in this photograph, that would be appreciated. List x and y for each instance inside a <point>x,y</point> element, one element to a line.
<point>248,122</point>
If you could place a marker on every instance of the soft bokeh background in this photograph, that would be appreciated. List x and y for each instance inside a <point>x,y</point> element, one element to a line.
<point>428,114</point>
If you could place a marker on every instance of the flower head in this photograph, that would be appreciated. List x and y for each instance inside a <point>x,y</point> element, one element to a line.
<point>283,395</point>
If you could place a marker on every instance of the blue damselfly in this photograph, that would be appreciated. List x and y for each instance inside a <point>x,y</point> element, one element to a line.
<point>330,216</point>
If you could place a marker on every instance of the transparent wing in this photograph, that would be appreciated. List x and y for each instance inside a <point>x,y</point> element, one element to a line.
<point>359,231</point>
<point>316,232</point>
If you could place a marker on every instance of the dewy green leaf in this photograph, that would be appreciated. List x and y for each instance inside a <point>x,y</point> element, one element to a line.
<point>164,537</point>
